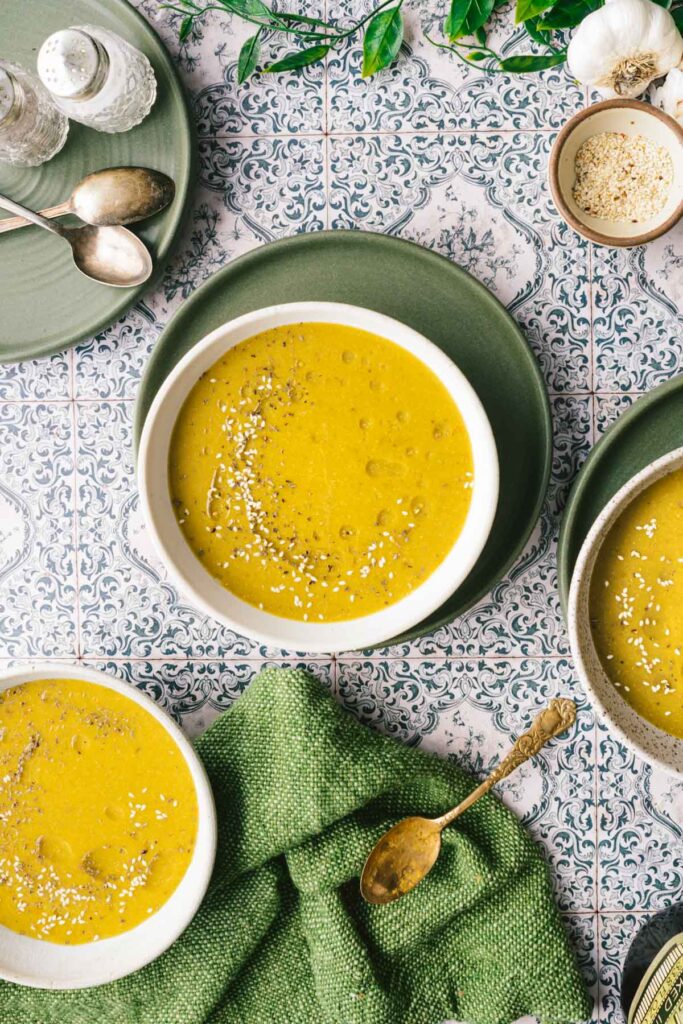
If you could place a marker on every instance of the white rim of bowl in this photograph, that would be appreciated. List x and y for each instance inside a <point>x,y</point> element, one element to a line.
<point>578,597</point>
<point>292,634</point>
<point>108,966</point>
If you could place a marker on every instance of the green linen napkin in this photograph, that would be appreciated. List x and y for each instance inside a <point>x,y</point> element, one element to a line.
<point>303,792</point>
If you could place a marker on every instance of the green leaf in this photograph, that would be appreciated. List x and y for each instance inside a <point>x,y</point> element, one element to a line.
<point>477,55</point>
<point>300,59</point>
<point>382,40</point>
<point>530,9</point>
<point>456,18</point>
<point>185,27</point>
<point>248,58</point>
<point>531,25</point>
<point>677,16</point>
<point>663,3</point>
<point>253,9</point>
<point>481,36</point>
<point>478,14</point>
<point>568,13</point>
<point>532,62</point>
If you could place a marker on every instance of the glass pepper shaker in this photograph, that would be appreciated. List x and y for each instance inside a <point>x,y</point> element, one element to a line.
<point>32,129</point>
<point>97,78</point>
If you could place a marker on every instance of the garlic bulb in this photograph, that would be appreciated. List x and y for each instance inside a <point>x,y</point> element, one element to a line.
<point>623,46</point>
<point>670,95</point>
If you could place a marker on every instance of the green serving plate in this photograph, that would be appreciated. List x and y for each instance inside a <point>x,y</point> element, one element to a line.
<point>430,294</point>
<point>46,303</point>
<point>651,427</point>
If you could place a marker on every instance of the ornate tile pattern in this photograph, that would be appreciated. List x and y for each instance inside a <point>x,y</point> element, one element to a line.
<point>456,160</point>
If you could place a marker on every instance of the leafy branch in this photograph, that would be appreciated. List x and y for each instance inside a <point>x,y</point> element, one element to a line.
<point>382,33</point>
<point>464,32</point>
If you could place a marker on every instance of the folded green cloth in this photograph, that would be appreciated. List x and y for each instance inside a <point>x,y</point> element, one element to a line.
<point>303,792</point>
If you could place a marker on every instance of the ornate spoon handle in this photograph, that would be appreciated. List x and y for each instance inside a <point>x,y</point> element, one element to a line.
<point>551,722</point>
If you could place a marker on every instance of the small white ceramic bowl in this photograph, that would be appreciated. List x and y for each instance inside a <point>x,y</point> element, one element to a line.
<point>652,744</point>
<point>205,592</point>
<point>38,964</point>
<point>632,117</point>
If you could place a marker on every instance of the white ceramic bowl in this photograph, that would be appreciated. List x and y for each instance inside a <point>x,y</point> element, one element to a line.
<point>38,964</point>
<point>652,744</point>
<point>632,117</point>
<point>207,593</point>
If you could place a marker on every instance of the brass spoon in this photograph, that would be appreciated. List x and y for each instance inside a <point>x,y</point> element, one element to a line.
<point>408,851</point>
<point>115,195</point>
<point>109,255</point>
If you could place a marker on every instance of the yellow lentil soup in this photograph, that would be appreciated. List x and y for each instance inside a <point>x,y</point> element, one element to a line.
<point>320,472</point>
<point>98,812</point>
<point>636,603</point>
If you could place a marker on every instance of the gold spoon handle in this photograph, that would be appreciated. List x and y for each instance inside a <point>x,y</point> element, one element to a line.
<point>551,722</point>
<point>10,223</point>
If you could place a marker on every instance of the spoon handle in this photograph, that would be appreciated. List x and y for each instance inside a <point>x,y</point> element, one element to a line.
<point>551,722</point>
<point>35,218</point>
<point>11,223</point>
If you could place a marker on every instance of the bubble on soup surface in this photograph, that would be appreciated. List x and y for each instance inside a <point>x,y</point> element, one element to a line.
<point>382,467</point>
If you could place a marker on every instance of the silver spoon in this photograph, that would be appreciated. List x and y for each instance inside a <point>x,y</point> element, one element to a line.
<point>114,195</point>
<point>109,255</point>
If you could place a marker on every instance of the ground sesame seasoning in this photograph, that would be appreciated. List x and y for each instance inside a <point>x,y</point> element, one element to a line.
<point>622,177</point>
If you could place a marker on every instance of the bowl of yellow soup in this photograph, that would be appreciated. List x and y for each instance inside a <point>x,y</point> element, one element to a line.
<point>625,613</point>
<point>317,476</point>
<point>108,828</point>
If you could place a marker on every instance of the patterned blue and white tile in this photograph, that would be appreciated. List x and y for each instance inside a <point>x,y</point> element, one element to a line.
<point>36,380</point>
<point>196,692</point>
<point>252,191</point>
<point>608,409</point>
<point>431,89</point>
<point>640,830</point>
<point>37,554</point>
<point>207,61</point>
<point>582,931</point>
<point>638,319</point>
<point>522,614</point>
<point>482,201</point>
<point>617,932</point>
<point>471,712</point>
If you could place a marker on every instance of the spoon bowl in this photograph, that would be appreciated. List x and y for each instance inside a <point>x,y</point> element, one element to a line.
<point>402,857</point>
<point>109,255</point>
<point>121,195</point>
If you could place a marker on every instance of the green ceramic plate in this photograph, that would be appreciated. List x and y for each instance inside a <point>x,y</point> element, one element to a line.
<point>46,304</point>
<point>430,294</point>
<point>652,427</point>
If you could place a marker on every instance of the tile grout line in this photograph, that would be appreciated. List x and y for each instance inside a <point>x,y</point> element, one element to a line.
<point>373,133</point>
<point>326,129</point>
<point>286,655</point>
<point>76,528</point>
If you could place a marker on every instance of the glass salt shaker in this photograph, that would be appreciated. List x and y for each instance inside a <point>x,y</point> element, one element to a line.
<point>97,78</point>
<point>32,129</point>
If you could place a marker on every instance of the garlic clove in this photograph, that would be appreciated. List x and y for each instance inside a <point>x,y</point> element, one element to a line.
<point>669,96</point>
<point>622,47</point>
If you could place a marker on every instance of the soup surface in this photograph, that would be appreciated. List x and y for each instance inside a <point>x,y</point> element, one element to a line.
<point>320,472</point>
<point>98,812</point>
<point>636,603</point>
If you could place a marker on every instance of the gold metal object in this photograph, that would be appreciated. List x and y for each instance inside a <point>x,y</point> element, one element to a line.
<point>408,851</point>
<point>108,255</point>
<point>113,196</point>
